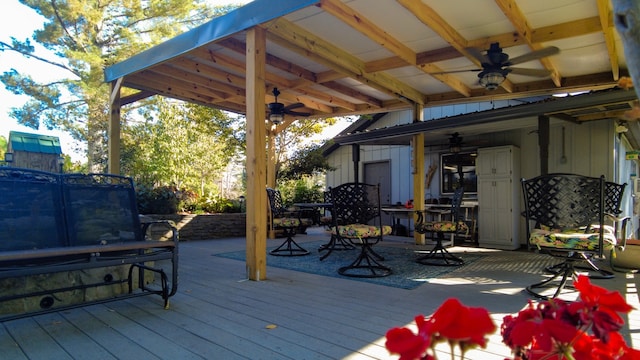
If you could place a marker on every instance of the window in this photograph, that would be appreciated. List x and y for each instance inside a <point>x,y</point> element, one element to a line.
<point>450,175</point>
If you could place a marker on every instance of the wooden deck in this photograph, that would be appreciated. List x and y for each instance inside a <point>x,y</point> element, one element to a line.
<point>218,314</point>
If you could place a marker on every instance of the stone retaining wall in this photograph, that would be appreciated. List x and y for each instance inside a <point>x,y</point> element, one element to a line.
<point>207,226</point>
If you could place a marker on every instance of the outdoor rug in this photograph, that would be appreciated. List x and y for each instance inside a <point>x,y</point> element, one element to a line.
<point>407,274</point>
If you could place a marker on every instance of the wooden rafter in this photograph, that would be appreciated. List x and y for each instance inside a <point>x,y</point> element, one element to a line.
<point>606,22</point>
<point>517,18</point>
<point>306,43</point>
<point>366,27</point>
<point>339,83</point>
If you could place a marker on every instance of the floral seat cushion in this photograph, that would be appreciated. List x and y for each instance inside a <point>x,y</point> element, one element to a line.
<point>446,226</point>
<point>358,231</point>
<point>570,239</point>
<point>291,222</point>
<point>286,222</point>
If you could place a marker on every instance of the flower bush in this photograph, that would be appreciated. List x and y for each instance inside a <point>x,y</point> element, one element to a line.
<point>587,329</point>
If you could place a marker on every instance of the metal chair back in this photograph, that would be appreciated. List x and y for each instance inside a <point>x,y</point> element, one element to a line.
<point>564,201</point>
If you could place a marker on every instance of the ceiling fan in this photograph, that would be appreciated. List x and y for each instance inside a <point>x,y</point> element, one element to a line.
<point>496,64</point>
<point>455,143</point>
<point>277,110</point>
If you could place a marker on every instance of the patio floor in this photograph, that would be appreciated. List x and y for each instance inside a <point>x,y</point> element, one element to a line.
<point>218,314</point>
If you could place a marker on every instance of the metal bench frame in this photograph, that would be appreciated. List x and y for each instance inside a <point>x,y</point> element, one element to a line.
<point>66,253</point>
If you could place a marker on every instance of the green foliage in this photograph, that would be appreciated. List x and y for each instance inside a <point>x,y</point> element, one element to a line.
<point>305,162</point>
<point>185,145</point>
<point>217,204</point>
<point>170,200</point>
<point>160,200</point>
<point>3,147</point>
<point>301,190</point>
<point>86,36</point>
<point>296,136</point>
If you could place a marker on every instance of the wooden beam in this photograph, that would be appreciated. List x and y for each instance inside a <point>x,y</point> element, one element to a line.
<point>514,14</point>
<point>433,20</point>
<point>606,21</point>
<point>366,27</point>
<point>130,99</point>
<point>113,144</point>
<point>256,228</point>
<point>598,81</point>
<point>302,41</point>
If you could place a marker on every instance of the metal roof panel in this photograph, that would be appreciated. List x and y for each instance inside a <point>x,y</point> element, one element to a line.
<point>34,143</point>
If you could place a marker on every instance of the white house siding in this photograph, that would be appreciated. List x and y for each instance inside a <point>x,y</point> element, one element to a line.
<point>589,150</point>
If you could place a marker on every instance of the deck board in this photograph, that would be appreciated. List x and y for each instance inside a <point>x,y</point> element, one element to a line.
<point>34,341</point>
<point>75,342</point>
<point>217,313</point>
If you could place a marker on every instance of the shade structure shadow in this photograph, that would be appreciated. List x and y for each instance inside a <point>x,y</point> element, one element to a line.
<point>407,274</point>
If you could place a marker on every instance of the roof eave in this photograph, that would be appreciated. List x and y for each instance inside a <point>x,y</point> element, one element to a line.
<point>241,19</point>
<point>489,116</point>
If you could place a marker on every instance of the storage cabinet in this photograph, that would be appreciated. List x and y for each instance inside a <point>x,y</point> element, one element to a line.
<point>498,172</point>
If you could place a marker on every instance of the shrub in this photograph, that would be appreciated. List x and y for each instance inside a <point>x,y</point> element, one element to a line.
<point>159,200</point>
<point>169,200</point>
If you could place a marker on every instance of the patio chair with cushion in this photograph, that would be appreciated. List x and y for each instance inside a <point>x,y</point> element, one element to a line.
<point>357,218</point>
<point>334,243</point>
<point>565,218</point>
<point>439,255</point>
<point>613,215</point>
<point>280,218</point>
<point>615,224</point>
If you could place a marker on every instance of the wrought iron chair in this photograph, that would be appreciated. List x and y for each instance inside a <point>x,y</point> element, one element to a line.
<point>616,225</point>
<point>613,209</point>
<point>357,218</point>
<point>334,243</point>
<point>565,218</point>
<point>282,219</point>
<point>439,255</point>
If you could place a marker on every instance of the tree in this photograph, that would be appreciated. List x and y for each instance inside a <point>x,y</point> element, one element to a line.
<point>306,161</point>
<point>87,36</point>
<point>182,145</point>
<point>296,136</point>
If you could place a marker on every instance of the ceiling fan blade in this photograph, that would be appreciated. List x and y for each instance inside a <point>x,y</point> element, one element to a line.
<point>478,55</point>
<point>297,113</point>
<point>534,55</point>
<point>530,72</point>
<point>293,106</point>
<point>452,71</point>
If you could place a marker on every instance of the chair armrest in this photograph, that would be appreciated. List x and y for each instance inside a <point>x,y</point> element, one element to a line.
<point>170,225</point>
<point>620,228</point>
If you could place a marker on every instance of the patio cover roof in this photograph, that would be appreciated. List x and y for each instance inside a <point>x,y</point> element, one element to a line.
<point>349,57</point>
<point>368,56</point>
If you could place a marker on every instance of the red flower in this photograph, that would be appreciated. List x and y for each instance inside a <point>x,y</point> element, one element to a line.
<point>600,307</point>
<point>410,346</point>
<point>539,326</point>
<point>555,329</point>
<point>457,322</point>
<point>601,298</point>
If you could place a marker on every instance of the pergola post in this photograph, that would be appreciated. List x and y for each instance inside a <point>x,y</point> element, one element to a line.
<point>113,145</point>
<point>418,170</point>
<point>256,228</point>
<point>543,143</point>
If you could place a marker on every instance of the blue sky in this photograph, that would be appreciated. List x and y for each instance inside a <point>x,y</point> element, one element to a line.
<point>23,28</point>
<point>19,21</point>
<point>28,21</point>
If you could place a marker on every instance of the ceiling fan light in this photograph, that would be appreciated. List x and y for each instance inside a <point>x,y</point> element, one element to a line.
<point>455,143</point>
<point>491,79</point>
<point>276,118</point>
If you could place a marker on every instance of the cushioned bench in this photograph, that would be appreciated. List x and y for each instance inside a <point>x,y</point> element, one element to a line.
<point>76,239</point>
